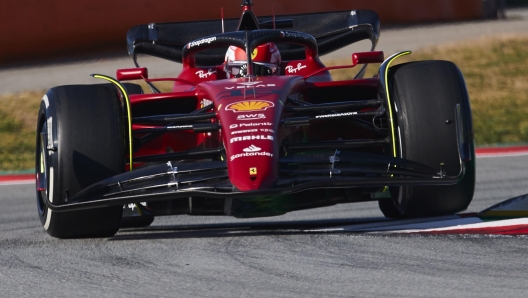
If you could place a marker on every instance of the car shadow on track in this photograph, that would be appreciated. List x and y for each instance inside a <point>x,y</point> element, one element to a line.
<point>238,229</point>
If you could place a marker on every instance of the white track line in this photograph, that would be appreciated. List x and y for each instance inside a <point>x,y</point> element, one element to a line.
<point>387,224</point>
<point>468,227</point>
<point>17,182</point>
<point>490,155</point>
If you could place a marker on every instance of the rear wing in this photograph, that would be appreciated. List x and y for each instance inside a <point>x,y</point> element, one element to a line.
<point>332,31</point>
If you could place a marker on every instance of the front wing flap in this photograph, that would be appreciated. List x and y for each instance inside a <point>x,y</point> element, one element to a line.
<point>210,179</point>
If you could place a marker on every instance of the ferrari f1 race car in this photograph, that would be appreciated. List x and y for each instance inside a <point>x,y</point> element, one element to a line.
<point>254,126</point>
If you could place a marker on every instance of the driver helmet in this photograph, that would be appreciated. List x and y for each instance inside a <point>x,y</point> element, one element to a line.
<point>266,60</point>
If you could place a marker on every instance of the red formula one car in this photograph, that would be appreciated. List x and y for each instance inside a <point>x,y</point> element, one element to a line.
<point>254,126</point>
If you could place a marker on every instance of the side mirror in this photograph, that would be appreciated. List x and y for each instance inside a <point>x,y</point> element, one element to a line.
<point>129,74</point>
<point>357,58</point>
<point>368,57</point>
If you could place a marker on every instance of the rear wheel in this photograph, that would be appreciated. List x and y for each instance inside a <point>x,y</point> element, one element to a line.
<point>424,96</point>
<point>80,141</point>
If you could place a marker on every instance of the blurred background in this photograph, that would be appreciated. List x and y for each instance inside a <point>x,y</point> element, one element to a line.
<point>35,29</point>
<point>60,42</point>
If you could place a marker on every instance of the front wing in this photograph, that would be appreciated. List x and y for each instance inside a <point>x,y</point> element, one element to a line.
<point>210,179</point>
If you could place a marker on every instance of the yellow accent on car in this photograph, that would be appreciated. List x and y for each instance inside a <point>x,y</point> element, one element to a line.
<point>252,171</point>
<point>129,112</point>
<point>139,209</point>
<point>387,64</point>
<point>249,106</point>
<point>254,53</point>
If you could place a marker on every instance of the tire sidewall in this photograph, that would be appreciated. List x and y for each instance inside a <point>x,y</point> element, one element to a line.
<point>417,201</point>
<point>45,118</point>
<point>56,112</point>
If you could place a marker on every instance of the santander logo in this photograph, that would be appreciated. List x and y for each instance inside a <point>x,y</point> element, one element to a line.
<point>252,148</point>
<point>251,151</point>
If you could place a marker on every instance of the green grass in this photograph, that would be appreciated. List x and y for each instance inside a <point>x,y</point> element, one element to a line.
<point>496,72</point>
<point>18,119</point>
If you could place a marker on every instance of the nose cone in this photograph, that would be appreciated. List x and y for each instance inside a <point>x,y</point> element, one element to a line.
<point>250,135</point>
<point>250,114</point>
<point>254,168</point>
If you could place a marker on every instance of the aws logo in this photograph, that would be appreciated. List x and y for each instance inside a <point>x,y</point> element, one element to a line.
<point>249,106</point>
<point>251,117</point>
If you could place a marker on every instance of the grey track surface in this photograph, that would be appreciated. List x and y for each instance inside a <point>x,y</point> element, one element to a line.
<point>53,73</point>
<point>179,256</point>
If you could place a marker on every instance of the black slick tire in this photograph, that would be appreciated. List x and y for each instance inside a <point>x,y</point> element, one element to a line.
<point>133,88</point>
<point>424,95</point>
<point>80,141</point>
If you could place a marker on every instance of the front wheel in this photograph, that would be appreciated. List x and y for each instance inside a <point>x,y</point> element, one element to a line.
<point>80,141</point>
<point>424,97</point>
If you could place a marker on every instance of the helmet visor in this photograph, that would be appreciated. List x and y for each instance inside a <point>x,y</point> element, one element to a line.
<point>239,68</point>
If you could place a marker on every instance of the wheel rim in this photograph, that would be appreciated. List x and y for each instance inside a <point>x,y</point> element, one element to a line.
<point>41,171</point>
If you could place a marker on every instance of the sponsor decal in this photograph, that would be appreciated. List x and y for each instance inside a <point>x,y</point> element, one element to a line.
<point>201,42</point>
<point>252,171</point>
<point>337,115</point>
<point>256,124</point>
<point>49,121</point>
<point>250,84</point>
<point>249,106</point>
<point>295,34</point>
<point>254,53</point>
<point>291,69</point>
<point>247,93</point>
<point>180,127</point>
<point>251,117</point>
<point>237,132</point>
<point>251,138</point>
<point>233,126</point>
<point>252,148</point>
<point>204,75</point>
<point>267,130</point>
<point>249,152</point>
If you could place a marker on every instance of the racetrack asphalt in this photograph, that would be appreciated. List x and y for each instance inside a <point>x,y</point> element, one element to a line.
<point>183,256</point>
<point>47,74</point>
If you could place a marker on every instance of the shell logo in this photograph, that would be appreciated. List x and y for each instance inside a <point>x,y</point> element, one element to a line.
<point>250,106</point>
